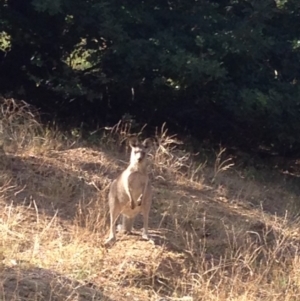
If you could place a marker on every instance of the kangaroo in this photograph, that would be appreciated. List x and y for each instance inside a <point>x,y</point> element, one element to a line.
<point>131,193</point>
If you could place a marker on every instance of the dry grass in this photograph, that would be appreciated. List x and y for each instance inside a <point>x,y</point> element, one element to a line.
<point>219,235</point>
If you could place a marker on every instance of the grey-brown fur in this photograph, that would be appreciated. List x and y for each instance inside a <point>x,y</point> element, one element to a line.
<point>131,193</point>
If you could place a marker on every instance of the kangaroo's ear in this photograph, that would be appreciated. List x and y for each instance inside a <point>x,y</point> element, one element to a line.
<point>147,143</point>
<point>133,142</point>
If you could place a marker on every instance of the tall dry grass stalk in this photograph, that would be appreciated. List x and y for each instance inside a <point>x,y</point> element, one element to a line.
<point>221,165</point>
<point>21,130</point>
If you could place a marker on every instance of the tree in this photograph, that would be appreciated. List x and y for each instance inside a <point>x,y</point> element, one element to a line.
<point>221,68</point>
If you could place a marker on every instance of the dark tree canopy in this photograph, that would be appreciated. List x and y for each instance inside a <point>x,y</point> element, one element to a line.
<point>222,69</point>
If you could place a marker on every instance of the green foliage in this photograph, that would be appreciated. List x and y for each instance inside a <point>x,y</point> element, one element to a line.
<point>4,42</point>
<point>51,6</point>
<point>228,68</point>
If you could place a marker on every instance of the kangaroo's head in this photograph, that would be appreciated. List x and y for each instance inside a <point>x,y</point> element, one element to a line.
<point>139,150</point>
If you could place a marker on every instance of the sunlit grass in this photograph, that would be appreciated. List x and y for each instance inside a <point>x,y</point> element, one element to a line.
<point>232,238</point>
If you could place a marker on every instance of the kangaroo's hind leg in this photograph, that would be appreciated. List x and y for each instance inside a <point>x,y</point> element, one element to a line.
<point>114,212</point>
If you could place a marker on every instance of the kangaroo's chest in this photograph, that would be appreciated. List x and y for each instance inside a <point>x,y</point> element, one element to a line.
<point>135,181</point>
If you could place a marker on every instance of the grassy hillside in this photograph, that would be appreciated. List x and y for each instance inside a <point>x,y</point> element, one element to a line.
<point>222,230</point>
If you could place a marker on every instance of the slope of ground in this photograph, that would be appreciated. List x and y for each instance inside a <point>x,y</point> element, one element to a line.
<point>221,232</point>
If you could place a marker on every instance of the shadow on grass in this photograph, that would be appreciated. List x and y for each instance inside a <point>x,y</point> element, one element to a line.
<point>51,186</point>
<point>41,285</point>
